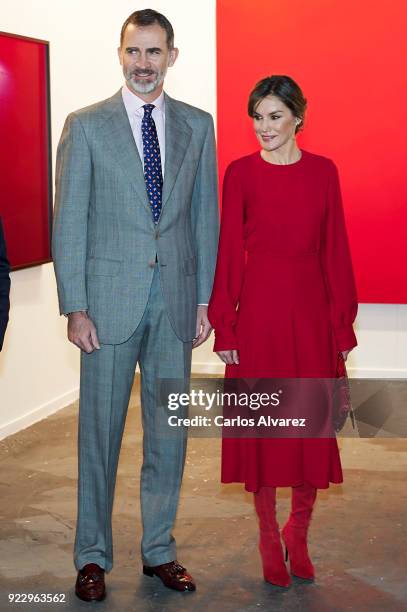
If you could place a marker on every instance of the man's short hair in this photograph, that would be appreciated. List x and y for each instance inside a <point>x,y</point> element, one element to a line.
<point>148,17</point>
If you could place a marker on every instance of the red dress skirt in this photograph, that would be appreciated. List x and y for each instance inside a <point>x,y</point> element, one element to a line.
<point>284,295</point>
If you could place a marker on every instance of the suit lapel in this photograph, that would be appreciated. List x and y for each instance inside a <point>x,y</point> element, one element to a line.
<point>177,137</point>
<point>118,136</point>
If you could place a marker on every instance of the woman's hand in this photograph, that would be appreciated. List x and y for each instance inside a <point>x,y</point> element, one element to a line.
<point>229,357</point>
<point>345,354</point>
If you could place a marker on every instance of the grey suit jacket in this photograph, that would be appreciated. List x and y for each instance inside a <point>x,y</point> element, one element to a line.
<point>104,237</point>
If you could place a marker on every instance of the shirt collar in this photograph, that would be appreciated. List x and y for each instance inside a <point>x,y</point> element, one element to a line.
<point>134,104</point>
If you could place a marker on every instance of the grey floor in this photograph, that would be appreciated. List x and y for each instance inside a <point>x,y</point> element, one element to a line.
<point>357,538</point>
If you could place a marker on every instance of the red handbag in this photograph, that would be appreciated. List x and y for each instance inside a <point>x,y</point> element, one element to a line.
<point>341,405</point>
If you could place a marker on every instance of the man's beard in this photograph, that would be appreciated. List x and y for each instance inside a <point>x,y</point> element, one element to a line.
<point>145,87</point>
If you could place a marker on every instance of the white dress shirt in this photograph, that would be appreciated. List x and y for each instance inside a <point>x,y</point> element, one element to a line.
<point>135,112</point>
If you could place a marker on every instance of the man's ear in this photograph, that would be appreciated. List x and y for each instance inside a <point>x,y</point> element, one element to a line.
<point>173,56</point>
<point>119,53</point>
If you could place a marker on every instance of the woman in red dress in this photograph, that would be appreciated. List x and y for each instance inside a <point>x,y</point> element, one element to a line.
<point>283,304</point>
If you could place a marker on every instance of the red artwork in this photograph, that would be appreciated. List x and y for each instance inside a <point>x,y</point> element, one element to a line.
<point>349,60</point>
<point>25,156</point>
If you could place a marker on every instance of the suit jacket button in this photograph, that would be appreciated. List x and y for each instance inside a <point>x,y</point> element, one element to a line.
<point>151,264</point>
<point>157,235</point>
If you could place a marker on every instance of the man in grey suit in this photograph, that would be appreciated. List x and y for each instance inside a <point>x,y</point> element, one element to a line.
<point>134,247</point>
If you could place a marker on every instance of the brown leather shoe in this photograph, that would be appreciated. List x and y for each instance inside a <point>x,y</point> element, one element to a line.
<point>173,575</point>
<point>90,583</point>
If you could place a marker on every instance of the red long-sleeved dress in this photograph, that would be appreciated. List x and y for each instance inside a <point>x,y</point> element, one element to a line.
<point>288,305</point>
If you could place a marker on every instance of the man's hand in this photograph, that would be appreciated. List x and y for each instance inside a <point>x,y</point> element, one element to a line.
<point>203,327</point>
<point>229,357</point>
<point>82,331</point>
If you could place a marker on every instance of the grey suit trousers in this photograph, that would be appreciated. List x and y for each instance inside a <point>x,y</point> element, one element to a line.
<point>106,379</point>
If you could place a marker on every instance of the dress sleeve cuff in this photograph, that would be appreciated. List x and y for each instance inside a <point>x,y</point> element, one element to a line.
<point>345,338</point>
<point>225,341</point>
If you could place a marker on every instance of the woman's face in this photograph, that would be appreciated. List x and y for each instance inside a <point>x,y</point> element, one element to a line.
<point>274,123</point>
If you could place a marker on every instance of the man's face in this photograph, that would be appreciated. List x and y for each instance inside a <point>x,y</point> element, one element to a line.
<point>145,58</point>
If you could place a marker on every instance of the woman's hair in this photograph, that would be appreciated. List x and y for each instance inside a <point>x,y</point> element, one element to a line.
<point>283,87</point>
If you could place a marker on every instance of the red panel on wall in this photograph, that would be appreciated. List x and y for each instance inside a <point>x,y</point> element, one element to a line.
<point>349,60</point>
<point>25,189</point>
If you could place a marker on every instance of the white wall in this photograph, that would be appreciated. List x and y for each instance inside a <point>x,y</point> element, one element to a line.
<point>38,367</point>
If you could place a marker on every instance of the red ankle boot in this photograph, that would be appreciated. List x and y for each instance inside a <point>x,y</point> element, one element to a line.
<point>295,531</point>
<point>271,550</point>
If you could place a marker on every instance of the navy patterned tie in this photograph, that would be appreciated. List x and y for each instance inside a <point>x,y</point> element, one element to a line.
<point>152,161</point>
